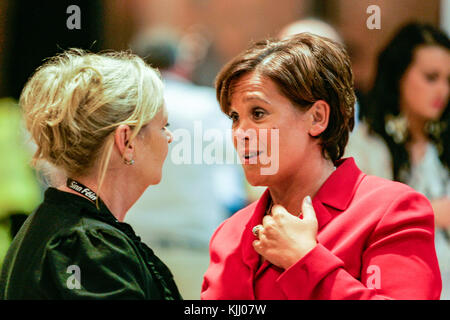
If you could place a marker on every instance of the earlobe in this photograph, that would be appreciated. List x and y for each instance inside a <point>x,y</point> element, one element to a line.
<point>320,113</point>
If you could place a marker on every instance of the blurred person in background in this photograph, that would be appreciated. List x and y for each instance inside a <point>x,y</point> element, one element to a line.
<point>405,135</point>
<point>19,189</point>
<point>311,25</point>
<point>177,217</point>
<point>100,122</point>
<point>322,229</point>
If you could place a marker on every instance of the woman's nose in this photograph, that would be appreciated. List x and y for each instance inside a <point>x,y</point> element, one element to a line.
<point>241,134</point>
<point>245,134</point>
<point>244,125</point>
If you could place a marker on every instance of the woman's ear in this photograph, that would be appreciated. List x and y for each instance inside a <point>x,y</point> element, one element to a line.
<point>122,137</point>
<point>320,114</point>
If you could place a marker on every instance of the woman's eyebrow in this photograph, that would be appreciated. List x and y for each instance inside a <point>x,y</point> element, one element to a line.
<point>253,97</point>
<point>250,98</point>
<point>230,109</point>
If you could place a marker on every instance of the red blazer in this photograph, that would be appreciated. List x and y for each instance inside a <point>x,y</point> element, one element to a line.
<point>375,241</point>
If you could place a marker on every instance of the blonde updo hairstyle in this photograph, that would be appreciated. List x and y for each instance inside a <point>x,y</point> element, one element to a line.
<point>76,100</point>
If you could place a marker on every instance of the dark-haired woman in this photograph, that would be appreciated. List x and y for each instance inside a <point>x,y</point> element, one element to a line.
<point>323,229</point>
<point>408,116</point>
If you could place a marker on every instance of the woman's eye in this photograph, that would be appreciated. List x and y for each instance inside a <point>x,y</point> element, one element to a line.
<point>258,114</point>
<point>431,77</point>
<point>166,126</point>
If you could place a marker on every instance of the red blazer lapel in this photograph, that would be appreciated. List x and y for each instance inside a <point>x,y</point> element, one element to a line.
<point>249,255</point>
<point>337,192</point>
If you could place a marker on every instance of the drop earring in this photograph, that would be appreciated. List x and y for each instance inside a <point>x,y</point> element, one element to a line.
<point>435,128</point>
<point>396,127</point>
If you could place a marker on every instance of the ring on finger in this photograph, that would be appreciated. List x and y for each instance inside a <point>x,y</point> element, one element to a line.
<point>256,230</point>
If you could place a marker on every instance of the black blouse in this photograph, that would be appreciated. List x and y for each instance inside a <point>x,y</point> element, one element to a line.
<point>69,249</point>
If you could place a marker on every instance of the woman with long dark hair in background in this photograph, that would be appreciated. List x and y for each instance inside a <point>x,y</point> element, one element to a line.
<point>408,114</point>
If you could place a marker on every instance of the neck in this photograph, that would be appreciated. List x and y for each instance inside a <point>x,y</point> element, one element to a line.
<point>306,182</point>
<point>416,129</point>
<point>117,196</point>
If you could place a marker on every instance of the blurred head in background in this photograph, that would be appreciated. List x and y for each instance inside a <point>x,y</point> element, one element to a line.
<point>411,91</point>
<point>311,25</point>
<point>158,47</point>
<point>170,51</point>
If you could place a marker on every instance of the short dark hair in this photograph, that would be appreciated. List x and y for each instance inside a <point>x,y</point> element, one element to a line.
<point>306,68</point>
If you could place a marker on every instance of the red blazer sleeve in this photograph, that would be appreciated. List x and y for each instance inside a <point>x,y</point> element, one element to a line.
<point>398,262</point>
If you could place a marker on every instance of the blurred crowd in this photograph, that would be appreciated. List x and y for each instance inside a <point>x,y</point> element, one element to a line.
<point>401,133</point>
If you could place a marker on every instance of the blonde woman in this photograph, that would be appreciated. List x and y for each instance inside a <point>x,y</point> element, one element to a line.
<point>101,121</point>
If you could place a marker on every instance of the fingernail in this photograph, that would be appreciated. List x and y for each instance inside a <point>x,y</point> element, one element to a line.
<point>308,200</point>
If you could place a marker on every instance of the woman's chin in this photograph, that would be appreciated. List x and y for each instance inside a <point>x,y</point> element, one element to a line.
<point>256,179</point>
<point>155,180</point>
